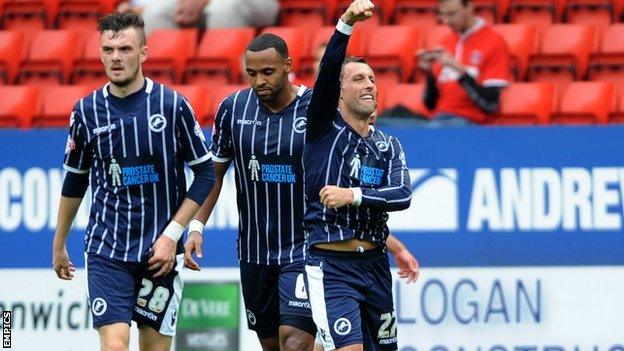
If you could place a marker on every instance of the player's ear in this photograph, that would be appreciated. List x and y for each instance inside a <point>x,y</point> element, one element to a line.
<point>143,53</point>
<point>288,65</point>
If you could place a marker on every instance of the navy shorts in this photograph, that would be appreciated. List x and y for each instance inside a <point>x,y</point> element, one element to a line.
<point>351,297</point>
<point>121,292</point>
<point>275,295</point>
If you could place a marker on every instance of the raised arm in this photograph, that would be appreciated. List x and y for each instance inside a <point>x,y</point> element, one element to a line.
<point>326,93</point>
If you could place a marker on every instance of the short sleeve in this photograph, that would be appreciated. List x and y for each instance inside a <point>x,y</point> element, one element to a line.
<point>191,136</point>
<point>78,153</point>
<point>496,69</point>
<point>221,145</point>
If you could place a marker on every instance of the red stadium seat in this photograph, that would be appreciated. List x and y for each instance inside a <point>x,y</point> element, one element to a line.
<point>522,42</point>
<point>585,102</point>
<point>11,47</point>
<point>169,49</point>
<point>320,38</point>
<point>526,103</point>
<point>58,102</point>
<point>18,105</point>
<point>219,57</point>
<point>200,99</point>
<point>306,13</point>
<point>563,55</point>
<point>88,69</point>
<point>51,58</point>
<point>83,14</point>
<point>407,95</point>
<point>390,51</point>
<point>220,93</point>
<point>608,63</point>
<point>493,11</point>
<point>415,12</point>
<point>617,116</point>
<point>296,38</point>
<point>540,13</point>
<point>599,13</point>
<point>30,16</point>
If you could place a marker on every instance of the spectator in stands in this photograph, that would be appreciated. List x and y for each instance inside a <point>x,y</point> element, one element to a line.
<point>465,75</point>
<point>209,13</point>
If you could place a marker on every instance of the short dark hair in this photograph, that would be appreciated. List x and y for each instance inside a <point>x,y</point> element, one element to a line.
<point>352,59</point>
<point>118,21</point>
<point>267,41</point>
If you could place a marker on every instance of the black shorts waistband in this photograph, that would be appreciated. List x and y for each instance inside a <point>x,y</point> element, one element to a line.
<point>356,254</point>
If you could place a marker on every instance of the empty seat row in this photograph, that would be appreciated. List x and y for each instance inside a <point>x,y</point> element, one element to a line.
<point>32,106</point>
<point>521,103</point>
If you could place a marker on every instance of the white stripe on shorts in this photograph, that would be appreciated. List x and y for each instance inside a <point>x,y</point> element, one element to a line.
<point>317,301</point>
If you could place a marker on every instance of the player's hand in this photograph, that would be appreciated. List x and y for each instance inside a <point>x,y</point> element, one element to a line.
<point>335,197</point>
<point>193,245</point>
<point>63,267</point>
<point>189,12</point>
<point>163,256</point>
<point>408,266</point>
<point>359,10</point>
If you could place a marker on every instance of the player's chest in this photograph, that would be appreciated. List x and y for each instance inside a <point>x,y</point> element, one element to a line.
<point>366,162</point>
<point>269,137</point>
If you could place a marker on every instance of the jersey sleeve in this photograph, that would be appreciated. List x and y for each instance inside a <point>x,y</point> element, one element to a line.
<point>190,135</point>
<point>78,153</point>
<point>397,194</point>
<point>496,70</point>
<point>324,101</point>
<point>221,143</point>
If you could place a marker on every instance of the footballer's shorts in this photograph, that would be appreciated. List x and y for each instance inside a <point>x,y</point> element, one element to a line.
<point>121,292</point>
<point>351,298</point>
<point>275,295</point>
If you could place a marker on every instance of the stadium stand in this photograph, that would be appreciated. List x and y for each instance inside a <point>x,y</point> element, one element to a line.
<point>526,103</point>
<point>57,104</point>
<point>558,48</point>
<point>18,105</point>
<point>51,58</point>
<point>11,49</point>
<point>218,58</point>
<point>585,103</point>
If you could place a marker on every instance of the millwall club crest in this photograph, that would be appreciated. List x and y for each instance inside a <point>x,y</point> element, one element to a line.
<point>157,123</point>
<point>299,125</point>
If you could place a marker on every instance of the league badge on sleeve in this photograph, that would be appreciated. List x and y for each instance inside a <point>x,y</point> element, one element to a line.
<point>71,144</point>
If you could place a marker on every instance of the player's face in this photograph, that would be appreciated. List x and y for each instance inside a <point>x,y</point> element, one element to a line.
<point>454,14</point>
<point>267,73</point>
<point>122,54</point>
<point>358,89</point>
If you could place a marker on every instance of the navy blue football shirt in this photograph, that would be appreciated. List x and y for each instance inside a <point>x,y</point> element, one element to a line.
<point>135,149</point>
<point>266,149</point>
<point>335,154</point>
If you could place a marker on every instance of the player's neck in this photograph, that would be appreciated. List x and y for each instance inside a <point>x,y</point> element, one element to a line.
<point>283,100</point>
<point>122,92</point>
<point>361,126</point>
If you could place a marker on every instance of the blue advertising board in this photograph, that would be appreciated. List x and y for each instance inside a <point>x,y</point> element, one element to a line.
<point>483,196</point>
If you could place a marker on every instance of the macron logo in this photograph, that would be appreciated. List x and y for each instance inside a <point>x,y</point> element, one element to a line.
<point>434,205</point>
